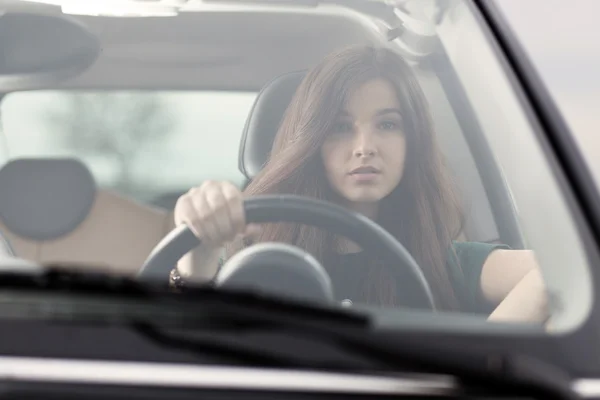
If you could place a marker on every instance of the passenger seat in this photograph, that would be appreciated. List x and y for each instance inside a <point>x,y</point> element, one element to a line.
<point>52,212</point>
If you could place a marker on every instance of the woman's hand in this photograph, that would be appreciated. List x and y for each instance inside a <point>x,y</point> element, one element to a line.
<point>214,212</point>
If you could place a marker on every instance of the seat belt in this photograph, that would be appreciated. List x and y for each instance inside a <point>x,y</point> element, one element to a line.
<point>5,247</point>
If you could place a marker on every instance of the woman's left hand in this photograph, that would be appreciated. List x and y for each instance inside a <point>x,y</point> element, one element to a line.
<point>526,302</point>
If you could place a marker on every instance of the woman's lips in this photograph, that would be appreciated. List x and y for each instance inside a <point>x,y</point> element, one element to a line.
<point>364,169</point>
<point>365,177</point>
<point>365,174</point>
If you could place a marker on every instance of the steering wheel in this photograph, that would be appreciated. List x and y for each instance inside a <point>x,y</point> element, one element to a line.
<point>296,209</point>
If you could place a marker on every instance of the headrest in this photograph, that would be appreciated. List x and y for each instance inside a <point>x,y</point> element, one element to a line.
<point>43,199</point>
<point>263,122</point>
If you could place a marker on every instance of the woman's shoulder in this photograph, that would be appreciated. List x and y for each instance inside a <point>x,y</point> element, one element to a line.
<point>469,257</point>
<point>471,249</point>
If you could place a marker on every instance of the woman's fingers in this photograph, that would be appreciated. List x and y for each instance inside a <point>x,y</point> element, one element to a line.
<point>220,213</point>
<point>203,217</point>
<point>185,213</point>
<point>214,212</point>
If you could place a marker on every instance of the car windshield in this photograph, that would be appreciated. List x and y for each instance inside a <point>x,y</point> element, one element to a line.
<point>421,130</point>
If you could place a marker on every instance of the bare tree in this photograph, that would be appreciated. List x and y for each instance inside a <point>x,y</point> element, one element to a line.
<point>118,126</point>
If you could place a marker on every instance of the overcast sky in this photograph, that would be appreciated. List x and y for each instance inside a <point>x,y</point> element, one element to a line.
<point>563,39</point>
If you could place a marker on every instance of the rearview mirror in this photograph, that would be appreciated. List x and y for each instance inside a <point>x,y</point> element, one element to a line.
<point>41,49</point>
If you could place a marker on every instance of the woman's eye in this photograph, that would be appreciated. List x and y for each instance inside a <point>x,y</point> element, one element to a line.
<point>389,125</point>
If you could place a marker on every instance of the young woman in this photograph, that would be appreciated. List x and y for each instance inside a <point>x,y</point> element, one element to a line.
<point>358,133</point>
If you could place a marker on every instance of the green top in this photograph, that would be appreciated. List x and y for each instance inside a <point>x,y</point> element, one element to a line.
<point>465,263</point>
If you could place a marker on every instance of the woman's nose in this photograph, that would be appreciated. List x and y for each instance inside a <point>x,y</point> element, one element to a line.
<point>364,145</point>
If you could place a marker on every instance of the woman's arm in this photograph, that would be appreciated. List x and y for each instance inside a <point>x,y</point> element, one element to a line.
<point>512,280</point>
<point>503,270</point>
<point>199,265</point>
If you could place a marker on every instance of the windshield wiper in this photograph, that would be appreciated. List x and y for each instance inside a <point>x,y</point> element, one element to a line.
<point>251,329</point>
<point>209,313</point>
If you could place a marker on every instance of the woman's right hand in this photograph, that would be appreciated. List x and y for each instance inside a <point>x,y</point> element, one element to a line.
<point>214,212</point>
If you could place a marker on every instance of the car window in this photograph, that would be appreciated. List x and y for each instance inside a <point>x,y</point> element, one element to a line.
<point>151,146</point>
<point>531,186</point>
<point>567,60</point>
<point>439,150</point>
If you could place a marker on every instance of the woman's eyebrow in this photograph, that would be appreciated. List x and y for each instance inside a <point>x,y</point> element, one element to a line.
<point>384,111</point>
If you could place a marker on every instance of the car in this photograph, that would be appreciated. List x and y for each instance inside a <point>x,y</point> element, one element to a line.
<point>110,111</point>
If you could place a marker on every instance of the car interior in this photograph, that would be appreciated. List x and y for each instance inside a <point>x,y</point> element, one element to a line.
<point>226,70</point>
<point>247,47</point>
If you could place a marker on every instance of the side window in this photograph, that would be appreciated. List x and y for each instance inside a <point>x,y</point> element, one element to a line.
<point>540,205</point>
<point>480,224</point>
<point>147,145</point>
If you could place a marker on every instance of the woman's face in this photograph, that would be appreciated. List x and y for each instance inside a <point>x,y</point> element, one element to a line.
<point>364,153</point>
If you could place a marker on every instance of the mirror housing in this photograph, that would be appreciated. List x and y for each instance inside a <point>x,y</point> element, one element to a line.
<point>39,49</point>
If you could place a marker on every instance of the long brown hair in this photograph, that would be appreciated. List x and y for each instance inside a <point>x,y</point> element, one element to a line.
<point>423,212</point>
